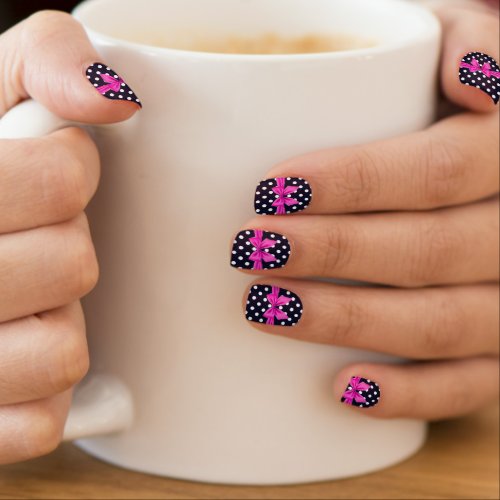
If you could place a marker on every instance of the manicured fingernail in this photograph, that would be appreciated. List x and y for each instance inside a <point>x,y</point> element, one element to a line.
<point>481,71</point>
<point>255,249</point>
<point>361,392</point>
<point>282,195</point>
<point>110,84</point>
<point>273,305</point>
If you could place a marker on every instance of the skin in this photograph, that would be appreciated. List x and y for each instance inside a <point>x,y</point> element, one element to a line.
<point>434,221</point>
<point>47,260</point>
<point>419,214</point>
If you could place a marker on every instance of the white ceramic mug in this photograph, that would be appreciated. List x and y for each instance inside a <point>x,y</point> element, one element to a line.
<point>191,390</point>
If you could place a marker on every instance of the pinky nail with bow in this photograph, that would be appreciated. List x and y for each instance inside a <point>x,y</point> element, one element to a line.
<point>109,84</point>
<point>272,305</point>
<point>481,71</point>
<point>361,392</point>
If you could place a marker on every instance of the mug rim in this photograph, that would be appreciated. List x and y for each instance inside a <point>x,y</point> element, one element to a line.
<point>364,52</point>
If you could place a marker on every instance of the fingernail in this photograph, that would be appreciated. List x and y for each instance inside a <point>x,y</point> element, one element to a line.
<point>282,195</point>
<point>272,305</point>
<point>481,71</point>
<point>255,249</point>
<point>361,392</point>
<point>110,84</point>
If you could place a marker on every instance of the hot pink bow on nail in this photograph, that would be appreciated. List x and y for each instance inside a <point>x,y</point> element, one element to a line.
<point>475,66</point>
<point>352,394</point>
<point>276,300</point>
<point>283,193</point>
<point>260,245</point>
<point>113,84</point>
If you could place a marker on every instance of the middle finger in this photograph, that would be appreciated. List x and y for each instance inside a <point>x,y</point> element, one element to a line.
<point>447,246</point>
<point>46,180</point>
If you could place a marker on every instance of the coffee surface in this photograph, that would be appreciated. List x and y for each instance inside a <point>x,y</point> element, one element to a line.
<point>268,43</point>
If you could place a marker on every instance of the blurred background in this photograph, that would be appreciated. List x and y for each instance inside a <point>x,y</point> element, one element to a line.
<point>12,11</point>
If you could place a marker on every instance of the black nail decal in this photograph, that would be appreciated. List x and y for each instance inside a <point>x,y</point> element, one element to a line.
<point>272,305</point>
<point>282,195</point>
<point>109,84</point>
<point>255,249</point>
<point>361,392</point>
<point>481,71</point>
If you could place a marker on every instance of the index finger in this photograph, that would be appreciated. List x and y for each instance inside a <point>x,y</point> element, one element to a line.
<point>452,162</point>
<point>470,34</point>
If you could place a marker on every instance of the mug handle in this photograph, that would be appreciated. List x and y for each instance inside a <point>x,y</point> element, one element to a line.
<point>102,404</point>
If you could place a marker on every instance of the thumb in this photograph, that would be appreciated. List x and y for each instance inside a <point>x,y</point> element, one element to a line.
<point>470,33</point>
<point>49,58</point>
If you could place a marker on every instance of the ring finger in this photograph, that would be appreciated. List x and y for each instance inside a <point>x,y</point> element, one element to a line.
<point>45,268</point>
<point>428,323</point>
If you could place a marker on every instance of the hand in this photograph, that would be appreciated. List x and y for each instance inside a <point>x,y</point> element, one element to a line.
<point>418,213</point>
<point>47,260</point>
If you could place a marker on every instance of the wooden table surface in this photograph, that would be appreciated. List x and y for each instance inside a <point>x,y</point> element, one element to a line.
<point>460,460</point>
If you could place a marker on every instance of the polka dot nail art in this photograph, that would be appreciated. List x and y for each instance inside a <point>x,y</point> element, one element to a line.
<point>272,305</point>
<point>361,392</point>
<point>110,84</point>
<point>282,195</point>
<point>255,249</point>
<point>481,71</point>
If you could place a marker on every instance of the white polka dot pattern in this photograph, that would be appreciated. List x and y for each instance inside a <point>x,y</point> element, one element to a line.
<point>481,71</point>
<point>361,392</point>
<point>282,195</point>
<point>255,249</point>
<point>271,305</point>
<point>110,84</point>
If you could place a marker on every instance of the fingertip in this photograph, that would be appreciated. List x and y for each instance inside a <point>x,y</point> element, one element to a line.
<point>476,100</point>
<point>101,111</point>
<point>470,59</point>
<point>465,93</point>
<point>62,70</point>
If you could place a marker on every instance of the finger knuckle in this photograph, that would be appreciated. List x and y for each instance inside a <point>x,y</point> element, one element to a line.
<point>38,23</point>
<point>349,323</point>
<point>444,171</point>
<point>337,248</point>
<point>44,432</point>
<point>64,184</point>
<point>47,16</point>
<point>355,178</point>
<point>69,358</point>
<point>435,245</point>
<point>81,269</point>
<point>443,330</point>
<point>457,400</point>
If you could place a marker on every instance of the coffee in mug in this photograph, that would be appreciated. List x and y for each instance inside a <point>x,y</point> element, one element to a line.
<point>266,43</point>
